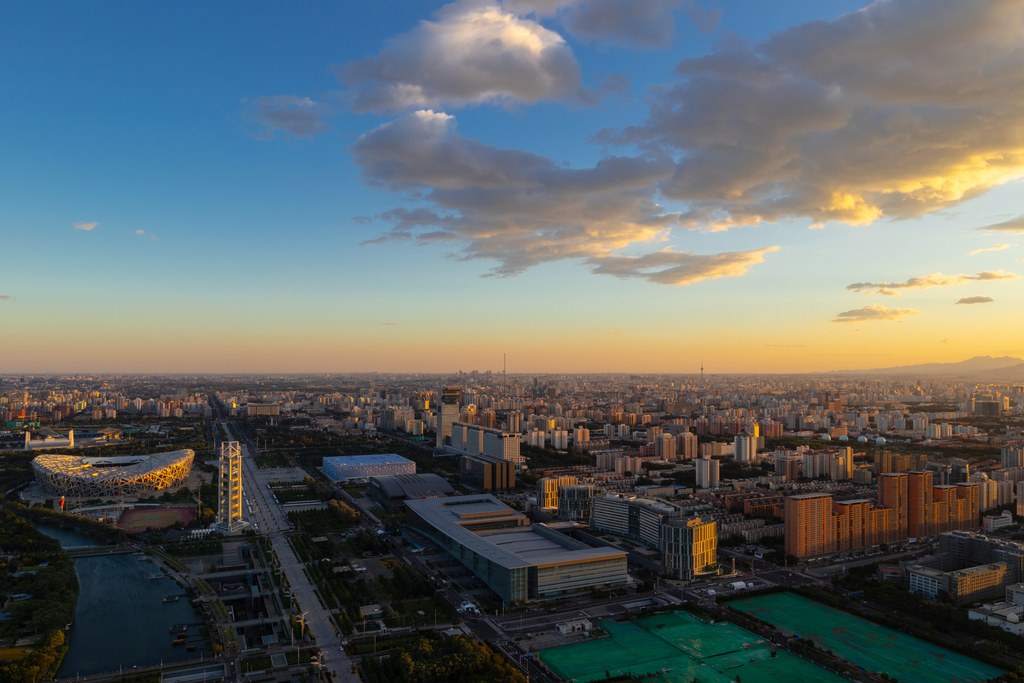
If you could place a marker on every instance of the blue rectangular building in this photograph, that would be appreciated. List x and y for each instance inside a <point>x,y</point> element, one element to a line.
<point>356,466</point>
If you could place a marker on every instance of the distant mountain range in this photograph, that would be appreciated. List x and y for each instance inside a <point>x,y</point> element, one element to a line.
<point>1004,367</point>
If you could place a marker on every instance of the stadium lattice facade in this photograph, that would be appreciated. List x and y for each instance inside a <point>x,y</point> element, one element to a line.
<point>71,475</point>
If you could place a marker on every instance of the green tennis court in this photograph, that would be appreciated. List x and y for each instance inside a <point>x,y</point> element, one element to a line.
<point>677,648</point>
<point>858,641</point>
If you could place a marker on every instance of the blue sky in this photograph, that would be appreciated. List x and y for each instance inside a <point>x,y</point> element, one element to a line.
<point>223,243</point>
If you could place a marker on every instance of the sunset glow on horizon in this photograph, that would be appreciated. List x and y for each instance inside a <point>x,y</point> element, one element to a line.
<point>589,186</point>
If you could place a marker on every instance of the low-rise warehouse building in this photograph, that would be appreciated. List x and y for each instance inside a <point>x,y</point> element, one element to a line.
<point>517,561</point>
<point>390,492</point>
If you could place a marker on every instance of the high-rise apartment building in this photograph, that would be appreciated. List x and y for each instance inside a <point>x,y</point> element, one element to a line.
<point>1012,456</point>
<point>665,447</point>
<point>788,464</point>
<point>988,491</point>
<point>810,528</point>
<point>909,506</point>
<point>745,447</point>
<point>899,462</point>
<point>686,445</point>
<point>893,494</point>
<point>920,505</point>
<point>859,524</point>
<point>970,496</point>
<point>840,465</point>
<point>628,464</point>
<point>448,413</point>
<point>707,472</point>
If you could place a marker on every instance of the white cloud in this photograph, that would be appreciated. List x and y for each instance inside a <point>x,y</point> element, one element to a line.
<point>929,281</point>
<point>998,247</point>
<point>1012,225</point>
<point>473,52</point>
<point>522,209</point>
<point>896,110</point>
<point>630,23</point>
<point>972,300</point>
<point>300,117</point>
<point>140,232</point>
<point>669,267</point>
<point>872,313</point>
<point>87,226</point>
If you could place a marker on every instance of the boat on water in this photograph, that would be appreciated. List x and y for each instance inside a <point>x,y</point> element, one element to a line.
<point>190,648</point>
<point>178,641</point>
<point>153,577</point>
<point>172,598</point>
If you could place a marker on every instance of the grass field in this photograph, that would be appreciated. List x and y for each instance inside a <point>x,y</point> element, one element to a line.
<point>679,648</point>
<point>860,642</point>
<point>138,520</point>
<point>13,654</point>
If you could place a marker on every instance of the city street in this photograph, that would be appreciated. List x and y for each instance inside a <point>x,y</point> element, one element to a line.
<point>272,521</point>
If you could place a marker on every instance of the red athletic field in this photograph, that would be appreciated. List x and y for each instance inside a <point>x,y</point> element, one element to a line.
<point>138,520</point>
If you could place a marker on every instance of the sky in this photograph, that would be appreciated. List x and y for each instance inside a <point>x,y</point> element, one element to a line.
<point>583,185</point>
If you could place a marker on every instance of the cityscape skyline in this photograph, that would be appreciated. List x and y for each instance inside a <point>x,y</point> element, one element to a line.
<point>586,187</point>
<point>499,341</point>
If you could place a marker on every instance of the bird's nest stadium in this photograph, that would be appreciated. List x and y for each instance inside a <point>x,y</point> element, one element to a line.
<point>71,475</point>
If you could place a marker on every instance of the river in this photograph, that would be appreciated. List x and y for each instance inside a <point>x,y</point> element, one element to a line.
<point>121,619</point>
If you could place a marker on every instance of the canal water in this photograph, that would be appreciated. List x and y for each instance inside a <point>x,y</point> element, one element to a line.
<point>121,620</point>
<point>68,539</point>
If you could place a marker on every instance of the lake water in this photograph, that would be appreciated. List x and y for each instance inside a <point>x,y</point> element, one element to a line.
<point>121,619</point>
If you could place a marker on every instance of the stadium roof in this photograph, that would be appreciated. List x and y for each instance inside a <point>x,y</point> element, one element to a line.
<point>413,485</point>
<point>114,467</point>
<point>83,475</point>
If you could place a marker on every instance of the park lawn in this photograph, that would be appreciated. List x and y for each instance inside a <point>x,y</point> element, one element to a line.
<point>14,654</point>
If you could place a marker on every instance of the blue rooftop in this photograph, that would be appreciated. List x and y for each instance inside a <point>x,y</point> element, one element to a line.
<point>372,459</point>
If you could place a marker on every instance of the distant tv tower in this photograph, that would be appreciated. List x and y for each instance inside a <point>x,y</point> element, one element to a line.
<point>504,365</point>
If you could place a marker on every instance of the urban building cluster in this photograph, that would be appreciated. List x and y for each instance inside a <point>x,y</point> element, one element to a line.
<point>663,469</point>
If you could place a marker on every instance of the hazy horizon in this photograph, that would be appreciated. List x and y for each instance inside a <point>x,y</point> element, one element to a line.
<point>770,187</point>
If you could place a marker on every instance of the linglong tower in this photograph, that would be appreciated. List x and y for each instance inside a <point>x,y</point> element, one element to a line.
<point>229,493</point>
